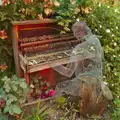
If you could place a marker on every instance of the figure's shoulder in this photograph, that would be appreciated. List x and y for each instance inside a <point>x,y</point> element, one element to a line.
<point>92,39</point>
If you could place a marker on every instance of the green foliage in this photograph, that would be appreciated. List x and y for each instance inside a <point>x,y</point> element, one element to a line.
<point>67,13</point>
<point>3,117</point>
<point>61,102</point>
<point>70,11</point>
<point>13,90</point>
<point>70,111</point>
<point>5,51</point>
<point>116,112</point>
<point>107,27</point>
<point>37,114</point>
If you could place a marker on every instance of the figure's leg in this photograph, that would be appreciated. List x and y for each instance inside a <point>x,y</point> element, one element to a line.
<point>70,87</point>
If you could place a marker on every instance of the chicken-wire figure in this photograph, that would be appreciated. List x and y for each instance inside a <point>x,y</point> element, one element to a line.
<point>86,62</point>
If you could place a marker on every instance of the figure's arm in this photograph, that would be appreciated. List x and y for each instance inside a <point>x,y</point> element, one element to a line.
<point>71,66</point>
<point>67,70</point>
<point>79,53</point>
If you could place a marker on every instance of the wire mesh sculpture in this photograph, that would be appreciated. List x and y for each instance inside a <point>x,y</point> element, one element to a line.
<point>86,62</point>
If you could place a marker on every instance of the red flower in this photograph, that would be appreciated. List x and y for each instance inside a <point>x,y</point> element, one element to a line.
<point>28,1</point>
<point>2,103</point>
<point>3,34</point>
<point>3,67</point>
<point>44,88</point>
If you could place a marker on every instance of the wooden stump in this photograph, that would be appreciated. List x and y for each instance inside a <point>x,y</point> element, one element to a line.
<point>92,100</point>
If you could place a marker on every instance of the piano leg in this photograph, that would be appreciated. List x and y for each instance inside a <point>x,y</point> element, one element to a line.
<point>27,77</point>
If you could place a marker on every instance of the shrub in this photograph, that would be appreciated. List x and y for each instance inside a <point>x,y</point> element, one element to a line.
<point>13,93</point>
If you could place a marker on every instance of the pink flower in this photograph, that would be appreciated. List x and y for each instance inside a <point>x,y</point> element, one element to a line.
<point>52,93</point>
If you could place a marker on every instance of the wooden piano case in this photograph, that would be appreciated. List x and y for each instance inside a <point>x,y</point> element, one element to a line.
<point>28,29</point>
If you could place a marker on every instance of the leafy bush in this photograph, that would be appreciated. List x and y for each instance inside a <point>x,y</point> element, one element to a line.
<point>12,94</point>
<point>104,21</point>
<point>116,111</point>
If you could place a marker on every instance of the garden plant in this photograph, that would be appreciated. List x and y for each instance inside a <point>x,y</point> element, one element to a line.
<point>102,16</point>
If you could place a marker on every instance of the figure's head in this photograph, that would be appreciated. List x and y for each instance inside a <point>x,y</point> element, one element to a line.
<point>80,29</point>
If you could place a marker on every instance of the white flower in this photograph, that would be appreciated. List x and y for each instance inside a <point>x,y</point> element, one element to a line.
<point>99,4</point>
<point>32,86</point>
<point>114,56</point>
<point>108,6</point>
<point>106,83</point>
<point>108,30</point>
<point>108,105</point>
<point>100,26</point>
<point>96,30</point>
<point>115,44</point>
<point>112,84</point>
<point>113,35</point>
<point>78,19</point>
<point>116,27</point>
<point>116,10</point>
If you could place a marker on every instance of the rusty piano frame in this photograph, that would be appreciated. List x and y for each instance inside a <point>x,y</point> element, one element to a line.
<point>22,69</point>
